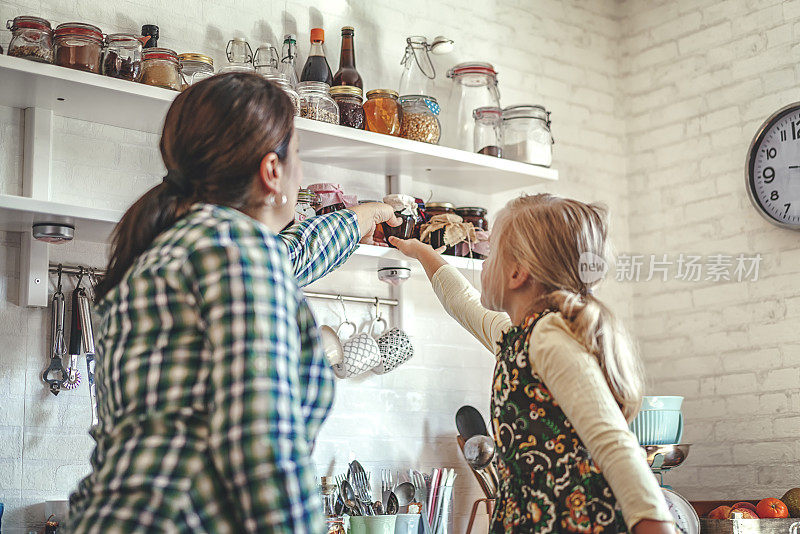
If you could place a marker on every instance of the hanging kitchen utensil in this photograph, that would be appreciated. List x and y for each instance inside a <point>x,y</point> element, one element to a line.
<point>73,378</point>
<point>87,339</point>
<point>469,422</point>
<point>54,375</point>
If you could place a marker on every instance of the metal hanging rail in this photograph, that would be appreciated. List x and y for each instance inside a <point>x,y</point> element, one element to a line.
<point>76,270</point>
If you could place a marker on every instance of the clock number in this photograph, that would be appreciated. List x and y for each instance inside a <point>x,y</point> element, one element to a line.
<point>783,135</point>
<point>787,208</point>
<point>774,195</point>
<point>771,152</point>
<point>768,174</point>
<point>794,130</point>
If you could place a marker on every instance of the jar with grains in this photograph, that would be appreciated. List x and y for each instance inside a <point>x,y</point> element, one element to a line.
<point>122,57</point>
<point>31,38</point>
<point>316,102</point>
<point>160,68</point>
<point>279,80</point>
<point>527,136</point>
<point>420,118</point>
<point>382,112</point>
<point>348,99</point>
<point>78,46</point>
<point>195,67</point>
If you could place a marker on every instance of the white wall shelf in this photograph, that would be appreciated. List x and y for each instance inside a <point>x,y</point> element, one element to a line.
<point>94,98</point>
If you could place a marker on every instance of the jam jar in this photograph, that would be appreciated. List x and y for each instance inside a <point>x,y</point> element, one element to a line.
<point>78,46</point>
<point>122,57</point>
<point>474,215</point>
<point>420,118</point>
<point>31,38</point>
<point>160,68</point>
<point>383,113</point>
<point>438,208</point>
<point>316,102</point>
<point>195,67</point>
<point>348,98</point>
<point>405,208</point>
<point>307,203</point>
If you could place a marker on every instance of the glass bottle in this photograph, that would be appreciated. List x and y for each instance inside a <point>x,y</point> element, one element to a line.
<point>287,67</point>
<point>418,70</point>
<point>266,60</point>
<point>240,56</point>
<point>316,68</point>
<point>347,73</point>
<point>150,30</point>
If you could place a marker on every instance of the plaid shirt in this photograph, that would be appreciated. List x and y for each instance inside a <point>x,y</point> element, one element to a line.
<point>211,384</point>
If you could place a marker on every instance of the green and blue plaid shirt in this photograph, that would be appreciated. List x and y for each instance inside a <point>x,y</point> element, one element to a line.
<point>211,384</point>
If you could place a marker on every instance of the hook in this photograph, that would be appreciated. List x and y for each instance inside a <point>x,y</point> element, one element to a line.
<point>344,308</point>
<point>58,285</point>
<point>377,308</point>
<point>80,277</point>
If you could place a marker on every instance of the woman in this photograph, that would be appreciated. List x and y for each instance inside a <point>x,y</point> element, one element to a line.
<point>566,378</point>
<point>211,384</point>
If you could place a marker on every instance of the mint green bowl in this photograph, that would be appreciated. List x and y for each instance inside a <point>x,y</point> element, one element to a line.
<point>658,427</point>
<point>662,402</point>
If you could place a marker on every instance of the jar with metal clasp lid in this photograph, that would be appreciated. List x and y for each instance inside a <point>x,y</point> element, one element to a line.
<point>420,118</point>
<point>240,56</point>
<point>280,81</point>
<point>488,133</point>
<point>78,46</point>
<point>195,67</point>
<point>527,136</point>
<point>474,86</point>
<point>31,38</point>
<point>316,102</point>
<point>122,57</point>
<point>160,68</point>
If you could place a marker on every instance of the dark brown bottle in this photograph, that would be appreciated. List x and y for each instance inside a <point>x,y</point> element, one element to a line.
<point>347,73</point>
<point>316,68</point>
<point>150,30</point>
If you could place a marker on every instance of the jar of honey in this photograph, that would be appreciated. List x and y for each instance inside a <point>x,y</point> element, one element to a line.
<point>383,113</point>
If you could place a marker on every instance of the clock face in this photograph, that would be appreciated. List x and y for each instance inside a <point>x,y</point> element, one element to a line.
<point>773,168</point>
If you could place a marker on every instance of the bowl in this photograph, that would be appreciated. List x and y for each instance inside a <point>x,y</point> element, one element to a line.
<point>658,427</point>
<point>666,456</point>
<point>667,402</point>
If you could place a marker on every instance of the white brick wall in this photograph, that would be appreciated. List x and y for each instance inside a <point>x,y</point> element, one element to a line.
<point>562,55</point>
<point>730,348</point>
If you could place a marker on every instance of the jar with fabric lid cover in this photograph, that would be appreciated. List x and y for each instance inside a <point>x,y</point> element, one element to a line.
<point>31,38</point>
<point>195,67</point>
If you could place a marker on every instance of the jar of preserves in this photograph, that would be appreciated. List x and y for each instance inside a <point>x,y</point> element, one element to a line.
<point>527,136</point>
<point>420,118</point>
<point>280,81</point>
<point>195,67</point>
<point>405,208</point>
<point>348,98</point>
<point>316,102</point>
<point>122,57</point>
<point>487,135</point>
<point>307,203</point>
<point>31,38</point>
<point>474,86</point>
<point>438,208</point>
<point>160,68</point>
<point>382,112</point>
<point>78,46</point>
<point>331,197</point>
<point>474,215</point>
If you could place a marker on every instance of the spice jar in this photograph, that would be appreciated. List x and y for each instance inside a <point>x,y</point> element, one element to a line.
<point>316,102</point>
<point>160,68</point>
<point>488,131</point>
<point>122,57</point>
<point>527,136</point>
<point>78,46</point>
<point>348,98</point>
<point>420,118</point>
<point>195,67</point>
<point>405,208</point>
<point>31,38</point>
<point>307,203</point>
<point>280,81</point>
<point>382,112</point>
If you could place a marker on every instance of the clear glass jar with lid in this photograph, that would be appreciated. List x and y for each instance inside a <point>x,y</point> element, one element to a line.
<point>316,102</point>
<point>266,60</point>
<point>474,86</point>
<point>240,56</point>
<point>122,57</point>
<point>195,67</point>
<point>160,68</point>
<point>420,119</point>
<point>348,98</point>
<point>78,46</point>
<point>31,38</point>
<point>488,131</point>
<point>527,136</point>
<point>382,112</point>
<point>279,80</point>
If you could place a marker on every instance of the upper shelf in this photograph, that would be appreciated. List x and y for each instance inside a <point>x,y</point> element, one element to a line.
<point>17,214</point>
<point>95,98</point>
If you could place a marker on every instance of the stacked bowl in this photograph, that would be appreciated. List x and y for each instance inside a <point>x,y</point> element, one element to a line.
<point>660,421</point>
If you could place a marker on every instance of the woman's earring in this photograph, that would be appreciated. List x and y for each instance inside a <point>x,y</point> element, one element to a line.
<point>276,200</point>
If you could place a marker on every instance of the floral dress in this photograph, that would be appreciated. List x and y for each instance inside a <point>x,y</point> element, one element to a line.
<point>549,482</point>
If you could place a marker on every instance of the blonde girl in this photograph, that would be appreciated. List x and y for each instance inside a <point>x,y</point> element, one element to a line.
<point>566,381</point>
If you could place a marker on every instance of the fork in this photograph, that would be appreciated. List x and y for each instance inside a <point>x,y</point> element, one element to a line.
<point>387,485</point>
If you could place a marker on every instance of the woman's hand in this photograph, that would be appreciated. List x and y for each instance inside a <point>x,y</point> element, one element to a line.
<point>372,214</point>
<point>430,259</point>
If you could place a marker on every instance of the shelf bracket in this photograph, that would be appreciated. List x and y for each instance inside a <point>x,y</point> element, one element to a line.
<point>37,160</point>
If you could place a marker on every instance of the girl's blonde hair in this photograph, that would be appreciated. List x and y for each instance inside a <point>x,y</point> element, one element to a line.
<point>551,238</point>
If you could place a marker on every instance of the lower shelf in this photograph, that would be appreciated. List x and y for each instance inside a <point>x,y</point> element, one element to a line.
<point>18,214</point>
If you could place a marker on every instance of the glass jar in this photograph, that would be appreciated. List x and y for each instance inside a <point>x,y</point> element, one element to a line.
<point>474,215</point>
<point>31,38</point>
<point>420,119</point>
<point>160,68</point>
<point>438,208</point>
<point>316,102</point>
<point>527,136</point>
<point>488,133</point>
<point>474,86</point>
<point>195,67</point>
<point>382,112</point>
<point>240,56</point>
<point>348,98</point>
<point>122,57</point>
<point>78,46</point>
<point>405,208</point>
<point>418,70</point>
<point>280,81</point>
<point>266,60</point>
<point>306,206</point>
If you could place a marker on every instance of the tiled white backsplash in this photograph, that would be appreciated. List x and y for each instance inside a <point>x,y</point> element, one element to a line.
<point>560,54</point>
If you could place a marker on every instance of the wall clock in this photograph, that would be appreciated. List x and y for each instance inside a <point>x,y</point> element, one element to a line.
<point>773,168</point>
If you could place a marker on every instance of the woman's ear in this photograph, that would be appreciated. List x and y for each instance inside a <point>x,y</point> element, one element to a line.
<point>269,173</point>
<point>517,277</point>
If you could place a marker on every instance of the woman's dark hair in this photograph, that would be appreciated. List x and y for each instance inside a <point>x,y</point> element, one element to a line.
<point>215,135</point>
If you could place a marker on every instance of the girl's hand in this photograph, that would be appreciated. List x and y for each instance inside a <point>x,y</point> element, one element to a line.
<point>430,259</point>
<point>372,214</point>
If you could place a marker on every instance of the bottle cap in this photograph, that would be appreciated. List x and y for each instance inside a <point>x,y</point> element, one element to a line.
<point>317,34</point>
